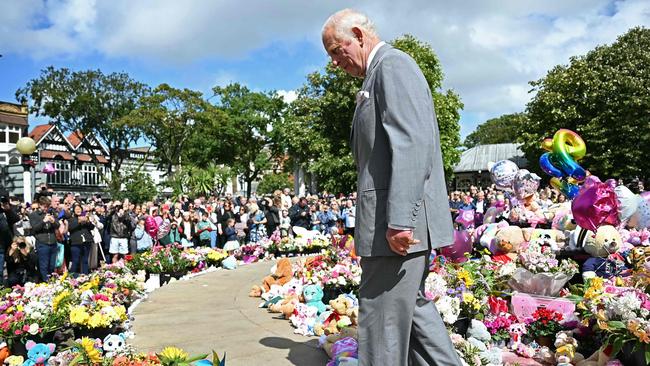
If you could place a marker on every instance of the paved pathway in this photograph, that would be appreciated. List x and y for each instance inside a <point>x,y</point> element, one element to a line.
<point>213,311</point>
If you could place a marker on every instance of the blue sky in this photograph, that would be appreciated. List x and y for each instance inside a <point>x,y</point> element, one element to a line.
<point>489,50</point>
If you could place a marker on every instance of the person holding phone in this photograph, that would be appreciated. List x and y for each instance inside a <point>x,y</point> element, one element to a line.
<point>44,226</point>
<point>81,239</point>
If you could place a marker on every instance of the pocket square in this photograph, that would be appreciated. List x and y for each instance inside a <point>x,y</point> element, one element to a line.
<point>362,95</point>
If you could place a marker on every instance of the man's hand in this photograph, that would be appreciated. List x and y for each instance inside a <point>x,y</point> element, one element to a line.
<point>400,240</point>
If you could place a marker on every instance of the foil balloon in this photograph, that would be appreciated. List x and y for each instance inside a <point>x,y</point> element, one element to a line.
<point>628,202</point>
<point>644,215</point>
<point>526,184</point>
<point>151,227</point>
<point>561,161</point>
<point>462,244</point>
<point>596,204</point>
<point>465,218</point>
<point>503,174</point>
<point>49,168</point>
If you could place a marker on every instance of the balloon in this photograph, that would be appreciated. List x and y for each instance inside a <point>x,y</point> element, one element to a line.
<point>462,244</point>
<point>560,162</point>
<point>526,184</point>
<point>465,218</point>
<point>628,202</point>
<point>150,226</point>
<point>503,174</point>
<point>49,168</point>
<point>596,204</point>
<point>645,195</point>
<point>644,215</point>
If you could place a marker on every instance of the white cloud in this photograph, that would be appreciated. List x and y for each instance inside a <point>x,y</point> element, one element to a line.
<point>288,95</point>
<point>490,50</point>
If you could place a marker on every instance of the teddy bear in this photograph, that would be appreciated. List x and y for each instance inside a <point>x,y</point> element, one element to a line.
<point>303,319</point>
<point>313,295</point>
<point>605,261</point>
<point>286,306</point>
<point>565,349</point>
<point>38,353</point>
<point>13,361</point>
<point>508,240</point>
<point>327,342</point>
<point>639,259</point>
<point>114,344</point>
<point>479,336</point>
<point>339,317</point>
<point>4,352</point>
<point>555,239</point>
<point>281,274</point>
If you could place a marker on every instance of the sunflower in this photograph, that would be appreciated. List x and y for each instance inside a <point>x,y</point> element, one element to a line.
<point>173,354</point>
<point>88,347</point>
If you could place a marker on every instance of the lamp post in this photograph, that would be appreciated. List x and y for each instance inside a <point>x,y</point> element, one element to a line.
<point>241,184</point>
<point>26,147</point>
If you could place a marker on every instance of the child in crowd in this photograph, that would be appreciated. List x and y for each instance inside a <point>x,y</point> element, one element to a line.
<point>231,245</point>
<point>285,224</point>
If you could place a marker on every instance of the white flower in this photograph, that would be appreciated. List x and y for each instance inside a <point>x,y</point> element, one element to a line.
<point>507,269</point>
<point>449,308</point>
<point>33,329</point>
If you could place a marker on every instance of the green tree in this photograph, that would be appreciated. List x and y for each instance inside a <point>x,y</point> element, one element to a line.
<point>240,133</point>
<point>138,187</point>
<point>274,181</point>
<point>167,117</point>
<point>604,97</point>
<point>316,127</point>
<point>498,130</point>
<point>92,103</point>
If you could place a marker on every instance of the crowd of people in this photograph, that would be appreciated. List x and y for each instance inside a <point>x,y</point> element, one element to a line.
<point>66,232</point>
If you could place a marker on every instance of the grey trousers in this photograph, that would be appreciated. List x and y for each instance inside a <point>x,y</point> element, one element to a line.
<point>397,324</point>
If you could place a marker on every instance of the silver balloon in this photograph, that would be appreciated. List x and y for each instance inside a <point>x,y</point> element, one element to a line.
<point>503,174</point>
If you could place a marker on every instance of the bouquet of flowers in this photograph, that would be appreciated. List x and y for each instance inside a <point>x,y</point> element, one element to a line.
<point>545,323</point>
<point>96,310</point>
<point>499,320</point>
<point>540,272</point>
<point>250,253</point>
<point>215,257</point>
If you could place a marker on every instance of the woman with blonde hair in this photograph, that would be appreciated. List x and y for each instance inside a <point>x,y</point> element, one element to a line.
<point>257,223</point>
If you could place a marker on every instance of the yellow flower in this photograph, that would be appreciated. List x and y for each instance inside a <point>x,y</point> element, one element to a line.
<point>596,283</point>
<point>120,311</point>
<point>464,276</point>
<point>601,320</point>
<point>581,306</point>
<point>19,307</point>
<point>468,297</point>
<point>58,298</point>
<point>79,315</point>
<point>91,352</point>
<point>64,277</point>
<point>174,354</point>
<point>97,320</point>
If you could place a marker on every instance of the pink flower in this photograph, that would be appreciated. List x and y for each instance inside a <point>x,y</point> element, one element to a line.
<point>25,328</point>
<point>18,332</point>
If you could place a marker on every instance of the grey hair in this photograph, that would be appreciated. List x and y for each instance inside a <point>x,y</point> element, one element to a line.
<point>344,20</point>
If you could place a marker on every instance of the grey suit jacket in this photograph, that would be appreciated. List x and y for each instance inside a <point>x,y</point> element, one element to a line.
<point>396,147</point>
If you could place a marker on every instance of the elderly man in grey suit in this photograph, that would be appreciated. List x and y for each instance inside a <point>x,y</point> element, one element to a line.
<point>402,209</point>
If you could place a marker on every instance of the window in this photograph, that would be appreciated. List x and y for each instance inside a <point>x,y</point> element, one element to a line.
<point>14,134</point>
<point>62,174</point>
<point>90,176</point>
<point>14,160</point>
<point>3,134</point>
<point>3,159</point>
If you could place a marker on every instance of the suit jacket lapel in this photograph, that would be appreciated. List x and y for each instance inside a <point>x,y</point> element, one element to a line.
<point>375,61</point>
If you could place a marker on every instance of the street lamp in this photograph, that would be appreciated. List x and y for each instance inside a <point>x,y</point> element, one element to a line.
<point>241,184</point>
<point>26,147</point>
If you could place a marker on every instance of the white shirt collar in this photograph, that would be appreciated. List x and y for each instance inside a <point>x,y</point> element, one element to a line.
<point>372,53</point>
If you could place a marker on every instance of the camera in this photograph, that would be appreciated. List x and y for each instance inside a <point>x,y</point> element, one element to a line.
<point>22,245</point>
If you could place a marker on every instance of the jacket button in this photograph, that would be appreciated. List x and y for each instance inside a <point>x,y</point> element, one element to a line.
<point>418,203</point>
<point>413,219</point>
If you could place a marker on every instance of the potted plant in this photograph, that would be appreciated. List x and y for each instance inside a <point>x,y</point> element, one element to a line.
<point>544,326</point>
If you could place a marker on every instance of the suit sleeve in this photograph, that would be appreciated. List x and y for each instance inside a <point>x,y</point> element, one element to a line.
<point>406,111</point>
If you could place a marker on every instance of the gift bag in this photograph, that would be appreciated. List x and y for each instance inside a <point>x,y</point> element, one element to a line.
<point>60,255</point>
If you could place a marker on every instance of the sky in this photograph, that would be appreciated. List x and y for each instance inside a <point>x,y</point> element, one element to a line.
<point>489,49</point>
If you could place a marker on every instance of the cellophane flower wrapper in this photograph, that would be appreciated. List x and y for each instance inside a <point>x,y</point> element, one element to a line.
<point>544,284</point>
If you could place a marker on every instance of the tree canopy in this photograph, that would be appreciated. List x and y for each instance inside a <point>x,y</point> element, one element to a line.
<point>604,97</point>
<point>316,127</point>
<point>89,102</point>
<point>499,130</point>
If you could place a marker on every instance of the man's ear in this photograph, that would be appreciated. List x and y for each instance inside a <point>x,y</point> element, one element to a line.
<point>358,34</point>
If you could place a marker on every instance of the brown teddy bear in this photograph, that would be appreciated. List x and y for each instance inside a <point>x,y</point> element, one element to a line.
<point>508,240</point>
<point>283,274</point>
<point>286,306</point>
<point>332,338</point>
<point>338,318</point>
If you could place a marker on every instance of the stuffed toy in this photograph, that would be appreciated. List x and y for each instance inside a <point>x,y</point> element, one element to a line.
<point>578,237</point>
<point>303,319</point>
<point>38,353</point>
<point>282,273</point>
<point>14,361</point>
<point>508,240</point>
<point>565,349</point>
<point>286,306</point>
<point>339,317</point>
<point>639,259</point>
<point>313,295</point>
<point>114,344</point>
<point>326,342</point>
<point>344,352</point>
<point>604,261</point>
<point>554,239</point>
<point>478,334</point>
<point>4,352</point>
<point>517,332</point>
